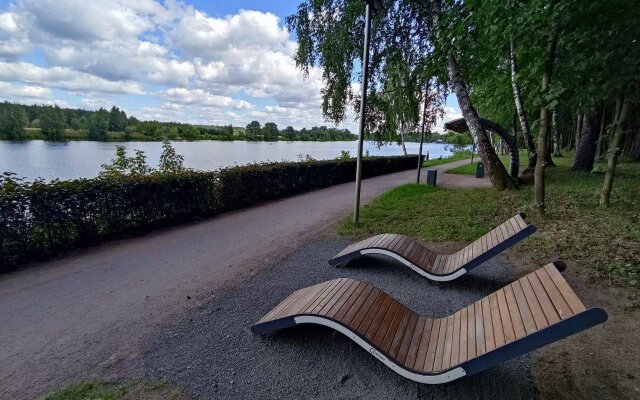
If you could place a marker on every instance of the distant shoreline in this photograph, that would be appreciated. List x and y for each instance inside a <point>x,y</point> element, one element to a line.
<point>82,136</point>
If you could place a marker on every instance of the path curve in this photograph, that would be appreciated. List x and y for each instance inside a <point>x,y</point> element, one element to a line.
<point>84,314</point>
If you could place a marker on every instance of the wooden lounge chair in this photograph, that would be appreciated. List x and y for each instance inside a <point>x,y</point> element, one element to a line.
<point>440,267</point>
<point>530,313</point>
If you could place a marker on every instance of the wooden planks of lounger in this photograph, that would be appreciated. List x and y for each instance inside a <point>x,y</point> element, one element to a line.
<point>531,312</point>
<point>440,267</point>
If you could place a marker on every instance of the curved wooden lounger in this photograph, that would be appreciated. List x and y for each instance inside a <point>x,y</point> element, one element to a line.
<point>528,314</point>
<point>440,267</point>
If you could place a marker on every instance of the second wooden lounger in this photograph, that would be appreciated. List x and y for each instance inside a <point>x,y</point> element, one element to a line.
<point>530,313</point>
<point>440,267</point>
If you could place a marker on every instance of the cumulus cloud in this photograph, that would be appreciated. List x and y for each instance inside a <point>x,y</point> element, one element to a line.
<point>204,36</point>
<point>178,62</point>
<point>22,92</point>
<point>450,113</point>
<point>14,40</point>
<point>63,78</point>
<point>249,51</point>
<point>203,98</point>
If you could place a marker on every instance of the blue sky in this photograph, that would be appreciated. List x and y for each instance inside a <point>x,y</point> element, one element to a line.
<point>208,62</point>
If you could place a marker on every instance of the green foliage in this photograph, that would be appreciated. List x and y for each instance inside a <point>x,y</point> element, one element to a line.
<point>270,131</point>
<point>344,155</point>
<point>606,241</point>
<point>122,165</point>
<point>253,130</point>
<point>98,125</point>
<point>52,123</point>
<point>117,120</point>
<point>118,166</point>
<point>39,220</point>
<point>13,120</point>
<point>400,67</point>
<point>115,125</point>
<point>170,161</point>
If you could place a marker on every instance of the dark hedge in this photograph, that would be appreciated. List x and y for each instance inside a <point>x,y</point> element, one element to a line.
<point>39,220</point>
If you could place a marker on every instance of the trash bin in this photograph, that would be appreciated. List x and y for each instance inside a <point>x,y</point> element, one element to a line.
<point>479,170</point>
<point>432,174</point>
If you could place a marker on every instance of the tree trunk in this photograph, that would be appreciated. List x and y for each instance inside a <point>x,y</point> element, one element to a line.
<point>548,159</point>
<point>557,152</point>
<point>514,128</point>
<point>522,115</point>
<point>579,130</point>
<point>539,184</point>
<point>404,148</point>
<point>586,150</point>
<point>601,134</point>
<point>617,129</point>
<point>497,172</point>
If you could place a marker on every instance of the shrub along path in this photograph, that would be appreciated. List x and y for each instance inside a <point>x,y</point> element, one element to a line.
<point>84,314</point>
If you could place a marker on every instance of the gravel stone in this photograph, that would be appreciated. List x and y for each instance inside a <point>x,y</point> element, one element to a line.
<point>212,354</point>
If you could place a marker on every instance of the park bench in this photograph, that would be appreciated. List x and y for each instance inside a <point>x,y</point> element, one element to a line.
<point>440,267</point>
<point>536,310</point>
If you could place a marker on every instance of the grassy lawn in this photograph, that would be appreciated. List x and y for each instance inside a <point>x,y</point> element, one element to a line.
<point>575,228</point>
<point>461,155</point>
<point>470,169</point>
<point>99,390</point>
<point>467,169</point>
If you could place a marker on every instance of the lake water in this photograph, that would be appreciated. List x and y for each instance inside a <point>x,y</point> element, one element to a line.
<point>83,159</point>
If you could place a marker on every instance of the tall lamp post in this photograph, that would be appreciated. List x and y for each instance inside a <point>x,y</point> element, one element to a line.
<point>424,122</point>
<point>372,6</point>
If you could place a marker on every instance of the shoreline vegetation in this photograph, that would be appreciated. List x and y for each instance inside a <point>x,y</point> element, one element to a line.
<point>40,220</point>
<point>42,122</point>
<point>20,122</point>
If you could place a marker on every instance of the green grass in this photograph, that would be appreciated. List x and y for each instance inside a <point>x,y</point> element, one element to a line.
<point>470,169</point>
<point>461,155</point>
<point>575,228</point>
<point>467,169</point>
<point>100,390</point>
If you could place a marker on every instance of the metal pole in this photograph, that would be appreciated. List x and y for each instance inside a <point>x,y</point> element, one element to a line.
<point>363,105</point>
<point>424,120</point>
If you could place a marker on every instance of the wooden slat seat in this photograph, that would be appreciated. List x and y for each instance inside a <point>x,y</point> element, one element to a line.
<point>440,267</point>
<point>536,310</point>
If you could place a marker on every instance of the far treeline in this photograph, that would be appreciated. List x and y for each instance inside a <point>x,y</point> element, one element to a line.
<point>20,122</point>
<point>561,77</point>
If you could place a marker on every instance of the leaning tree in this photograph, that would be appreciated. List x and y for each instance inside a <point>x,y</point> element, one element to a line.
<point>413,43</point>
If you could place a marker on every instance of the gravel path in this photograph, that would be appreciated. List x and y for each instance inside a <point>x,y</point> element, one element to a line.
<point>211,353</point>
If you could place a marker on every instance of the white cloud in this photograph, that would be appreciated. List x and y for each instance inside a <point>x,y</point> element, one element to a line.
<point>249,51</point>
<point>89,21</point>
<point>22,92</point>
<point>450,113</point>
<point>199,68</point>
<point>14,41</point>
<point>203,98</point>
<point>204,36</point>
<point>63,78</point>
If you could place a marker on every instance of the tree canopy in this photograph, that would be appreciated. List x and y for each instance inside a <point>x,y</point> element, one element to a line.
<point>558,58</point>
